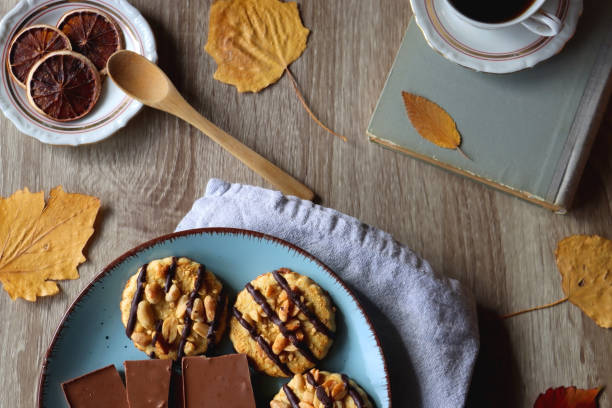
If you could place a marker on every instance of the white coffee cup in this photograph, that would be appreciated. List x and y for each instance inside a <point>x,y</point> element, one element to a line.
<point>533,18</point>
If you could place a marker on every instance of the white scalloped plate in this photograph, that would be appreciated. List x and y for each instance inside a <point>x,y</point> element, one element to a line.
<point>498,51</point>
<point>112,111</point>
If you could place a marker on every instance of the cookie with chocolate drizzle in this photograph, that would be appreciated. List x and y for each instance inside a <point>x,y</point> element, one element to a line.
<point>174,307</point>
<point>284,322</point>
<point>321,389</point>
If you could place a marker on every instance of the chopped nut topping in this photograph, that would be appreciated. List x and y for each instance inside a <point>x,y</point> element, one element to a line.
<point>144,314</point>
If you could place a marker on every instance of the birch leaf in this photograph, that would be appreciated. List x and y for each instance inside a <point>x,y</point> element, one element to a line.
<point>253,43</point>
<point>585,264</point>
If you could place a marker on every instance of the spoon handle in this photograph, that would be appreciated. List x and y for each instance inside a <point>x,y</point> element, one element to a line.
<point>259,164</point>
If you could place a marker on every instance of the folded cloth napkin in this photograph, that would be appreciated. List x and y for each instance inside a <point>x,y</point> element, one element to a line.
<point>426,322</point>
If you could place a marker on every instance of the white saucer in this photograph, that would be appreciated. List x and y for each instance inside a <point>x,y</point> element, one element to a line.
<point>113,109</point>
<point>499,51</point>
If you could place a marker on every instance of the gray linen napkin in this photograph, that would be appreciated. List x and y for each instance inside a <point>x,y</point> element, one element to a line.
<point>427,323</point>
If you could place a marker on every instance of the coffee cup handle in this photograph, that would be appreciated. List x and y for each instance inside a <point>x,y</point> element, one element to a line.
<point>543,23</point>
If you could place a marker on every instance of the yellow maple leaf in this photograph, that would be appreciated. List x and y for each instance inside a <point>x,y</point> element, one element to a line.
<point>585,264</point>
<point>42,244</point>
<point>432,122</point>
<point>253,41</point>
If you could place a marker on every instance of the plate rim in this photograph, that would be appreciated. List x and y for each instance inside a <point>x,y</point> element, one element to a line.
<point>131,108</point>
<point>198,231</point>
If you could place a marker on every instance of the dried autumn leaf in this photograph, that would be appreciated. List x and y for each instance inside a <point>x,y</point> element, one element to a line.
<point>432,122</point>
<point>254,41</point>
<point>567,397</point>
<point>42,244</point>
<point>585,264</point>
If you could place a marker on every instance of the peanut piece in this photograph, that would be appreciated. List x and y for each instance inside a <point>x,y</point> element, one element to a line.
<point>283,311</point>
<point>338,392</point>
<point>308,396</point>
<point>294,310</point>
<point>290,348</point>
<point>293,324</point>
<point>174,293</point>
<point>201,329</point>
<point>299,382</point>
<point>282,296</point>
<point>145,316</point>
<point>254,315</point>
<point>279,404</point>
<point>303,404</point>
<point>189,348</point>
<point>169,329</point>
<point>181,307</point>
<point>197,311</point>
<point>279,344</point>
<point>210,305</point>
<point>328,385</point>
<point>153,293</point>
<point>315,374</point>
<point>142,339</point>
<point>299,335</point>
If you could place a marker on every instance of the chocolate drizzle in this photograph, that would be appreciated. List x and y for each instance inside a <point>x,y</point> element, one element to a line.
<point>293,399</point>
<point>212,329</point>
<point>265,346</point>
<point>323,397</point>
<point>311,380</point>
<point>319,391</point>
<point>160,339</point>
<point>312,317</point>
<point>142,277</point>
<point>170,274</point>
<point>188,322</point>
<point>261,301</point>
<point>353,392</point>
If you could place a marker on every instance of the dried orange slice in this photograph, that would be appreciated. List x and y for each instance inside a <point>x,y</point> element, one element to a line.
<point>30,45</point>
<point>93,34</point>
<point>63,85</point>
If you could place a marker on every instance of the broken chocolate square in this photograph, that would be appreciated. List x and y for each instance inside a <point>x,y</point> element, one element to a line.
<point>148,383</point>
<point>102,388</point>
<point>223,381</point>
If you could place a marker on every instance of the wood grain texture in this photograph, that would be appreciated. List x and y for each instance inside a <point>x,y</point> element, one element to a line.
<point>149,174</point>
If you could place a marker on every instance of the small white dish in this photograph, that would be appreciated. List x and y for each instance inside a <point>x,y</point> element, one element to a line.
<point>498,51</point>
<point>113,110</point>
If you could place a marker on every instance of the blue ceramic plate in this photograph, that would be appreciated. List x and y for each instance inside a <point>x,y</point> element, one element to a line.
<point>91,334</point>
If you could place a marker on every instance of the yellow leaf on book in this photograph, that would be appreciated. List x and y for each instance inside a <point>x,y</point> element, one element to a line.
<point>42,244</point>
<point>432,122</point>
<point>585,264</point>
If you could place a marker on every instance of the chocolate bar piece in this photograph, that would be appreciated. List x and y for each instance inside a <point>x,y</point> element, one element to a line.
<point>222,381</point>
<point>102,388</point>
<point>148,383</point>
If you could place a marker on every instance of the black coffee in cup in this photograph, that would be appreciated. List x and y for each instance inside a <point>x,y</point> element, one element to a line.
<point>491,11</point>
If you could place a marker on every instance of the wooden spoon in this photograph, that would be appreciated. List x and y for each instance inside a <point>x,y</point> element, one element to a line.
<point>144,81</point>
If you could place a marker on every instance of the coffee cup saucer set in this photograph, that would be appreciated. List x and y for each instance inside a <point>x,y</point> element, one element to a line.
<point>535,35</point>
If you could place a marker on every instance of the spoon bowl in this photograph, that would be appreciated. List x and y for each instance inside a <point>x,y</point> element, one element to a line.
<point>144,81</point>
<point>138,77</point>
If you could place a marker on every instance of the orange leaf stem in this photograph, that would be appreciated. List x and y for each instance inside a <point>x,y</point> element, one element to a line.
<point>312,115</point>
<point>555,303</point>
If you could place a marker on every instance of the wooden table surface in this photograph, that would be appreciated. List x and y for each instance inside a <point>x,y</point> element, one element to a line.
<point>149,174</point>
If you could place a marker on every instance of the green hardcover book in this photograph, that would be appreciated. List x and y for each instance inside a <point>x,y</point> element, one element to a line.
<point>528,133</point>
